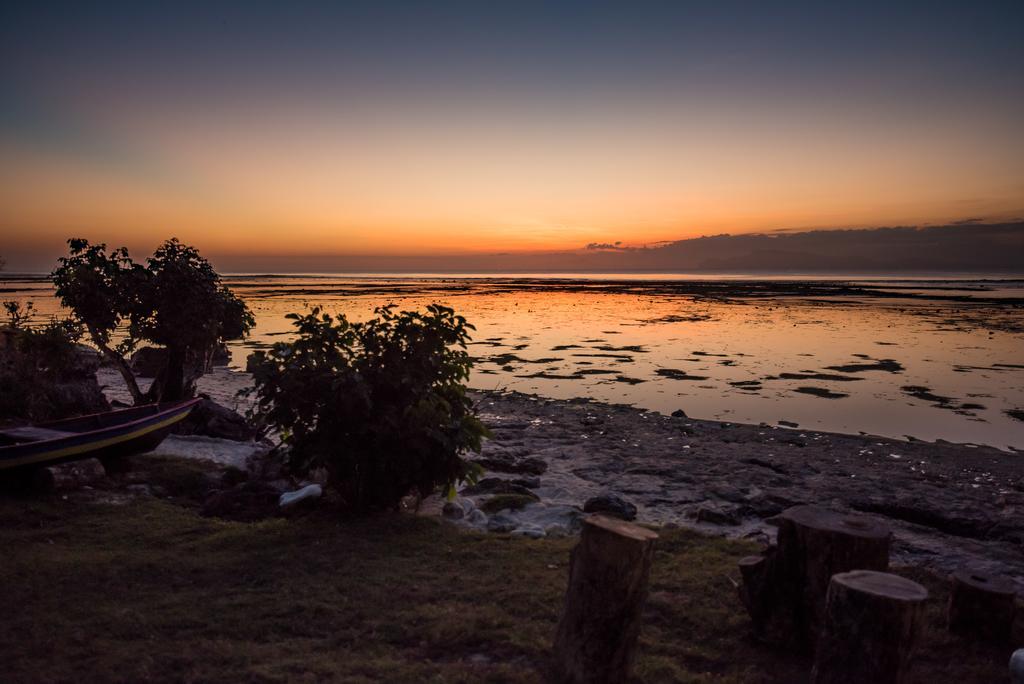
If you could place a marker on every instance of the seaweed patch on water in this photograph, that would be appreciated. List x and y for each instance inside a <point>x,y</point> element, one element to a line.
<point>563,347</point>
<point>822,392</point>
<point>676,374</point>
<point>507,359</point>
<point>628,380</point>
<point>939,401</point>
<point>676,318</point>
<point>545,375</point>
<point>1016,414</point>
<point>635,348</point>
<point>619,357</point>
<point>811,375</point>
<point>887,365</point>
<point>704,353</point>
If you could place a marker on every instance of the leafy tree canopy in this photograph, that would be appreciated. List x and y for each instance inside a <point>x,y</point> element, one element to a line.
<point>176,301</point>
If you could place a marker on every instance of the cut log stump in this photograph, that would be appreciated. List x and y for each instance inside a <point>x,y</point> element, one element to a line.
<point>870,626</point>
<point>785,594</point>
<point>981,607</point>
<point>608,577</point>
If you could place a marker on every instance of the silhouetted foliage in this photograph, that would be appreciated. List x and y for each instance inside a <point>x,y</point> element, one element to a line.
<point>176,301</point>
<point>45,374</point>
<point>18,315</point>
<point>381,405</point>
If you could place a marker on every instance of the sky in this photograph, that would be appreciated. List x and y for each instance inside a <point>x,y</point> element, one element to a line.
<point>258,129</point>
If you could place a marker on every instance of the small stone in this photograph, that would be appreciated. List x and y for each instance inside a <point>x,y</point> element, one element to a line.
<point>529,531</point>
<point>679,413</point>
<point>612,505</point>
<point>453,511</point>
<point>307,493</point>
<point>476,517</point>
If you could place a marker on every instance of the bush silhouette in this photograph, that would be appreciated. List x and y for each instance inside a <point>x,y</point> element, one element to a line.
<point>381,405</point>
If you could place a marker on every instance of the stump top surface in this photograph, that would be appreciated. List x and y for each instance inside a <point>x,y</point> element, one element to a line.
<point>619,527</point>
<point>989,583</point>
<point>819,518</point>
<point>882,584</point>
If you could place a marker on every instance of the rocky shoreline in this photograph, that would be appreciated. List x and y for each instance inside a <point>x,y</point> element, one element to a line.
<point>950,506</point>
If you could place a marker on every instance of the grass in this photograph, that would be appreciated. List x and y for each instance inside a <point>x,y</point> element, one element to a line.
<point>150,591</point>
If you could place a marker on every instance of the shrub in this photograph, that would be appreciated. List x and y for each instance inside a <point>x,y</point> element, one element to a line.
<point>44,374</point>
<point>381,405</point>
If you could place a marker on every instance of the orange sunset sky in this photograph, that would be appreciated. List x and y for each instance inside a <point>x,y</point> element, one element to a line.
<point>248,130</point>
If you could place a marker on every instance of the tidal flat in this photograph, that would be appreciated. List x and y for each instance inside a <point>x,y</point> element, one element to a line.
<point>926,359</point>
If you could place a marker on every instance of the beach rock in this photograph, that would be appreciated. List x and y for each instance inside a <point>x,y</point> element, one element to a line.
<point>612,505</point>
<point>501,523</point>
<point>70,476</point>
<point>453,511</point>
<point>679,413</point>
<point>502,502</point>
<point>946,516</point>
<point>247,502</point>
<point>147,362</point>
<point>716,515</point>
<point>496,485</point>
<point>302,496</point>
<point>477,518</point>
<point>528,531</point>
<point>210,419</point>
<point>1017,667</point>
<point>530,465</point>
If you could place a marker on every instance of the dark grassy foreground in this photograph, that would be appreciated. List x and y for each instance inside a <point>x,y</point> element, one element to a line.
<point>150,591</point>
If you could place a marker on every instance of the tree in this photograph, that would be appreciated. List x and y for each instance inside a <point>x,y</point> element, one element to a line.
<point>381,405</point>
<point>176,301</point>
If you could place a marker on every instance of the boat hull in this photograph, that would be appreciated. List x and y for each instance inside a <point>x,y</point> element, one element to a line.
<point>108,436</point>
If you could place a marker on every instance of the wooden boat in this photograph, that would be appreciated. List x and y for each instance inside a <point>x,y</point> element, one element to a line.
<point>101,435</point>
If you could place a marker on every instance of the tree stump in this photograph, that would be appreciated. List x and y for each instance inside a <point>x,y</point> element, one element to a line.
<point>870,625</point>
<point>786,594</point>
<point>608,576</point>
<point>981,607</point>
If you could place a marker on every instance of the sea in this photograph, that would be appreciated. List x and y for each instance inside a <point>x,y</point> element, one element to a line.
<point>936,357</point>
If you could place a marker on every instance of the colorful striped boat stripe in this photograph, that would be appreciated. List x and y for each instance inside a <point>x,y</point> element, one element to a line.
<point>91,446</point>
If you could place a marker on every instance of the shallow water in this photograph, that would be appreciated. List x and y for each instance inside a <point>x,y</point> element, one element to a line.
<point>927,359</point>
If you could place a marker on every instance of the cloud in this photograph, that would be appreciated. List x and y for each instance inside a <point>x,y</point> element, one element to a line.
<point>607,246</point>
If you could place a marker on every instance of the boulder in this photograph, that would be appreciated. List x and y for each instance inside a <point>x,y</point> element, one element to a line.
<point>610,504</point>
<point>70,476</point>
<point>716,515</point>
<point>1017,667</point>
<point>530,465</point>
<point>147,362</point>
<point>501,523</point>
<point>210,419</point>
